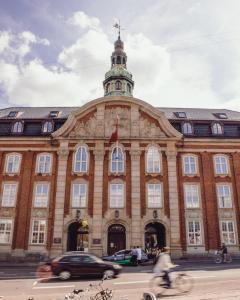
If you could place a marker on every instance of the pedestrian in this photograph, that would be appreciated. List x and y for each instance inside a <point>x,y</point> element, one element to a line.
<point>224,252</point>
<point>134,260</point>
<point>139,254</point>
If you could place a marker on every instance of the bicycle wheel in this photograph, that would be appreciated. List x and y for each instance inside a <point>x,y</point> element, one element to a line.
<point>157,285</point>
<point>184,283</point>
<point>218,259</point>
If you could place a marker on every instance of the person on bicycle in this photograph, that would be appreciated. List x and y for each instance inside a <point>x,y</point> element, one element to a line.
<point>163,265</point>
<point>134,256</point>
<point>224,252</point>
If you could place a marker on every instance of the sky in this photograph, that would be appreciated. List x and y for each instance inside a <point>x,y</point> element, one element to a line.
<point>182,53</point>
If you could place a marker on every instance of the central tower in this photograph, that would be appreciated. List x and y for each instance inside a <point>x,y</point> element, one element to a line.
<point>118,81</point>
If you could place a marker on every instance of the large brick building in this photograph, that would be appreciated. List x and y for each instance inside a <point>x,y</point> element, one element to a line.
<point>172,177</point>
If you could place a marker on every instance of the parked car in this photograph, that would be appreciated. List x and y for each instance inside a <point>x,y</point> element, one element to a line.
<point>123,257</point>
<point>79,264</point>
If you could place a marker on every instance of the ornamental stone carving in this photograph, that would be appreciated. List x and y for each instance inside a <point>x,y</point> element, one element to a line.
<point>63,153</point>
<point>99,154</point>
<point>124,123</point>
<point>39,213</point>
<point>85,128</point>
<point>148,128</point>
<point>6,212</point>
<point>135,154</point>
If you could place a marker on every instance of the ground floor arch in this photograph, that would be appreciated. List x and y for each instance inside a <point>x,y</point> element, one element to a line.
<point>78,237</point>
<point>116,238</point>
<point>155,235</point>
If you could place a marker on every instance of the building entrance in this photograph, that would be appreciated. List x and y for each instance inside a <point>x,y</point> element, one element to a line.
<point>77,237</point>
<point>155,236</point>
<point>116,238</point>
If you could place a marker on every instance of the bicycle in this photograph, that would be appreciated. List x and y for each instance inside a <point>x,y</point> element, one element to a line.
<point>219,258</point>
<point>182,282</point>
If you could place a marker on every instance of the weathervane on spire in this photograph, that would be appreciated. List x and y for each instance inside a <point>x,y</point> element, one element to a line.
<point>118,26</point>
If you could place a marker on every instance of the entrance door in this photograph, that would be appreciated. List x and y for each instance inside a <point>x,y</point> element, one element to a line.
<point>155,236</point>
<point>77,237</point>
<point>116,238</point>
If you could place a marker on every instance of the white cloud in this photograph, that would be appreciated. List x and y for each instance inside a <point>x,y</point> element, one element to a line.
<point>5,39</point>
<point>82,20</point>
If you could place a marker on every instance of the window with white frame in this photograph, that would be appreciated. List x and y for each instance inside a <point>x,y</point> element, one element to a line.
<point>117,160</point>
<point>189,165</point>
<point>116,195</point>
<point>13,163</point>
<point>153,160</point>
<point>41,195</point>
<point>5,231</point>
<point>81,160</point>
<point>224,196</point>
<point>9,194</point>
<point>228,233</point>
<point>44,163</point>
<point>194,233</point>
<point>47,127</point>
<point>187,128</point>
<point>191,195</point>
<point>217,129</point>
<point>154,195</point>
<point>221,164</point>
<point>17,127</point>
<point>38,231</point>
<point>79,195</point>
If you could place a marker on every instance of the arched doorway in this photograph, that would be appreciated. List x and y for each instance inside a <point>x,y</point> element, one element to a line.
<point>116,238</point>
<point>155,236</point>
<point>77,237</point>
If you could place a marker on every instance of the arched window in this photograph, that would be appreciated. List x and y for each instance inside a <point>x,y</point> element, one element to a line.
<point>118,85</point>
<point>118,60</point>
<point>153,160</point>
<point>217,129</point>
<point>117,160</point>
<point>47,127</point>
<point>17,127</point>
<point>113,61</point>
<point>108,88</point>
<point>81,160</point>
<point>44,163</point>
<point>129,88</point>
<point>187,128</point>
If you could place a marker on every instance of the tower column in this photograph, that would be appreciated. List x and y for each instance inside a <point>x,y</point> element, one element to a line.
<point>136,199</point>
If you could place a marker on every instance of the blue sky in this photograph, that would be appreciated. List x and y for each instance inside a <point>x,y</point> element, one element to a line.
<point>182,53</point>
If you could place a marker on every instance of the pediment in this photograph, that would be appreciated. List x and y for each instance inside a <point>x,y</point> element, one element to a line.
<point>97,119</point>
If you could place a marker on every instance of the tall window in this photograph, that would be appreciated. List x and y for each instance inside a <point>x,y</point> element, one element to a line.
<point>153,160</point>
<point>221,165</point>
<point>41,195</point>
<point>189,165</point>
<point>224,196</point>
<point>47,127</point>
<point>81,159</point>
<point>117,160</point>
<point>38,231</point>
<point>9,194</point>
<point>79,195</point>
<point>129,88</point>
<point>194,233</point>
<point>217,129</point>
<point>13,163</point>
<point>191,196</point>
<point>228,234</point>
<point>5,231</point>
<point>116,195</point>
<point>118,85</point>
<point>17,127</point>
<point>44,162</point>
<point>154,195</point>
<point>187,128</point>
<point>108,88</point>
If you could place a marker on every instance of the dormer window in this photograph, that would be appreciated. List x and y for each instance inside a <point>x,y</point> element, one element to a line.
<point>187,128</point>
<point>220,115</point>
<point>17,127</point>
<point>118,85</point>
<point>54,114</point>
<point>13,114</point>
<point>47,127</point>
<point>217,129</point>
<point>180,114</point>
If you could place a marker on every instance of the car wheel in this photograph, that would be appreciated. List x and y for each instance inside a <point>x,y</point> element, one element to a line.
<point>64,275</point>
<point>108,274</point>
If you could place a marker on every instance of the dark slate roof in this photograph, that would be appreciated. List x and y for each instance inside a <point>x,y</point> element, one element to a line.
<point>200,113</point>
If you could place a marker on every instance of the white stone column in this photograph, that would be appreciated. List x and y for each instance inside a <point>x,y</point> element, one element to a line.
<point>57,246</point>
<point>175,243</point>
<point>97,246</point>
<point>136,199</point>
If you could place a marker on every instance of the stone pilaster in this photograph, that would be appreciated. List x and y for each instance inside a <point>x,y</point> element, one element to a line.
<point>175,243</point>
<point>97,199</point>
<point>136,199</point>
<point>58,247</point>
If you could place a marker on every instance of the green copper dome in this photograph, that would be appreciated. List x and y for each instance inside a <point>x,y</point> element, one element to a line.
<point>118,71</point>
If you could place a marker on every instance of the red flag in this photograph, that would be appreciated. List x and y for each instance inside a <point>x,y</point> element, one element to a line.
<point>114,136</point>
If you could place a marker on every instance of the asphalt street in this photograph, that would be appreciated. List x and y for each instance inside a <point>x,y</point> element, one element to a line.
<point>211,281</point>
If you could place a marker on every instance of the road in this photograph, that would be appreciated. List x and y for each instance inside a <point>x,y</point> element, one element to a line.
<point>210,282</point>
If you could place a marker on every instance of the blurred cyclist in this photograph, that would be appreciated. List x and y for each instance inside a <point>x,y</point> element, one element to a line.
<point>224,252</point>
